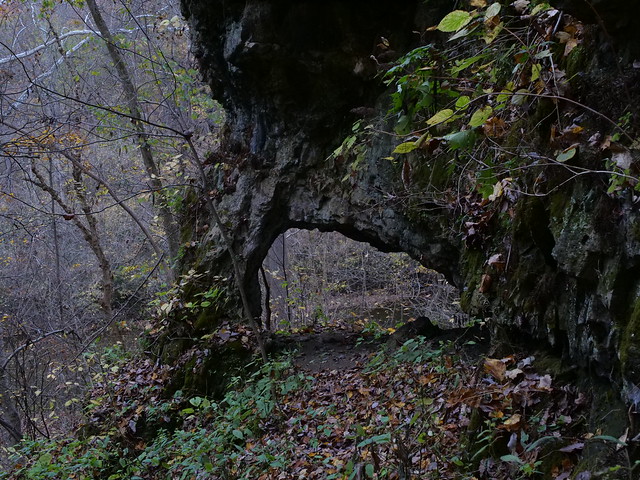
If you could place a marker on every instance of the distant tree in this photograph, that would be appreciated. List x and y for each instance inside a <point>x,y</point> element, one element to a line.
<point>96,103</point>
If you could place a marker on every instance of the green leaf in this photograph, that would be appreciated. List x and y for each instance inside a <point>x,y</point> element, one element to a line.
<point>238,434</point>
<point>493,10</point>
<point>45,459</point>
<point>543,54</point>
<point>480,116</point>
<point>506,93</point>
<point>461,33</point>
<point>461,140</point>
<point>491,36</point>
<point>377,439</point>
<point>454,21</point>
<point>348,142</point>
<point>442,116</point>
<point>539,442</point>
<point>403,125</point>
<point>511,459</point>
<point>519,96</point>
<point>405,147</point>
<point>567,154</point>
<point>467,62</point>
<point>369,470</point>
<point>463,102</point>
<point>609,438</point>
<point>536,68</point>
<point>541,7</point>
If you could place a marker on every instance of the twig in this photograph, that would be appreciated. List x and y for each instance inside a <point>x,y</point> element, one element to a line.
<point>26,345</point>
<point>120,310</point>
<point>229,247</point>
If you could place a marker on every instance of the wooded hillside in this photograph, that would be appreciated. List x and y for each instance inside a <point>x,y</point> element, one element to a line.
<point>494,143</point>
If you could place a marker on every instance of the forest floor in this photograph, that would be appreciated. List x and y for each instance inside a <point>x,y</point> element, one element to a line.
<point>434,408</point>
<point>342,404</point>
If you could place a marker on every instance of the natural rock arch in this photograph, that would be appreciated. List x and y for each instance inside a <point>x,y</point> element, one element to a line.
<point>294,76</point>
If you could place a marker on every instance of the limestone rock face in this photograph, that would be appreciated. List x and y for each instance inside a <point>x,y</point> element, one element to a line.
<point>294,77</point>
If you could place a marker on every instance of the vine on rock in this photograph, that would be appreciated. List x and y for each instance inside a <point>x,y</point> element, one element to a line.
<point>495,100</point>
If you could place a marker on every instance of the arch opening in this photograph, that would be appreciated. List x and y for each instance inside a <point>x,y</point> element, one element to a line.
<point>312,280</point>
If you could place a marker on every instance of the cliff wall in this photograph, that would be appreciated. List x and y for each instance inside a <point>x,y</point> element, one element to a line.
<point>550,256</point>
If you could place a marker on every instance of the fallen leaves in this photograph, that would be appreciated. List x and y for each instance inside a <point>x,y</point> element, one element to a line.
<point>495,368</point>
<point>419,412</point>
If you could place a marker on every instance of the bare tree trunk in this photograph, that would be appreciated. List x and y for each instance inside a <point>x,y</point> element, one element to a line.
<point>89,232</point>
<point>9,416</point>
<point>267,300</point>
<point>93,239</point>
<point>56,249</point>
<point>133,104</point>
<point>75,161</point>
<point>287,303</point>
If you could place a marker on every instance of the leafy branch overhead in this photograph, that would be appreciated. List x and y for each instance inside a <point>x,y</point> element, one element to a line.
<point>475,93</point>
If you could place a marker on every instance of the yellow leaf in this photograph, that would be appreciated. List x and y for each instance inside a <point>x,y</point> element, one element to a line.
<point>480,116</point>
<point>454,21</point>
<point>513,423</point>
<point>495,367</point>
<point>536,68</point>
<point>497,191</point>
<point>405,147</point>
<point>442,116</point>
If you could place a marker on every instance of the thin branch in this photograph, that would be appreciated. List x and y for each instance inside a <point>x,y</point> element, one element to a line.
<point>25,345</point>
<point>17,436</point>
<point>229,247</point>
<point>101,330</point>
<point>76,163</point>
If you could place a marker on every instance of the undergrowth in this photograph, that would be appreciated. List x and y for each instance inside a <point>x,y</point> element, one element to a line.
<point>417,412</point>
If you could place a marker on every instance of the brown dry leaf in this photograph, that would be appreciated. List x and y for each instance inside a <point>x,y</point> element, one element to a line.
<point>495,127</point>
<point>478,3</point>
<point>406,174</point>
<point>497,261</point>
<point>513,423</point>
<point>495,367</point>
<point>606,143</point>
<point>570,45</point>
<point>485,283</point>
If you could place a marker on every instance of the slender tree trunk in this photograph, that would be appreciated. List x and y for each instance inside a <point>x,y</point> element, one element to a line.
<point>285,277</point>
<point>267,300</point>
<point>56,249</point>
<point>135,111</point>
<point>75,161</point>
<point>9,416</point>
<point>89,232</point>
<point>93,239</point>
